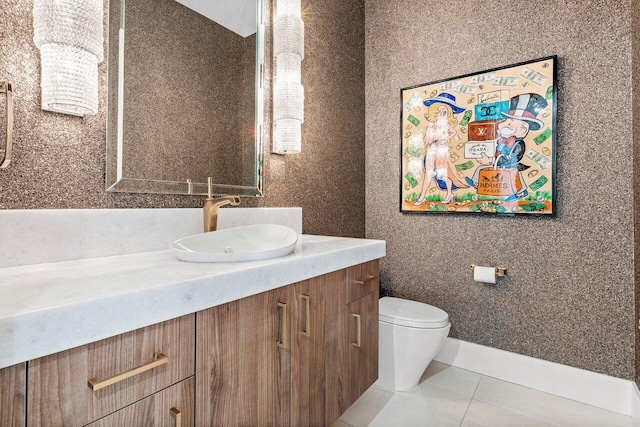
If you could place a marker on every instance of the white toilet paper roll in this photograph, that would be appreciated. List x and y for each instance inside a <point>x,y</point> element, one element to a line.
<point>484,274</point>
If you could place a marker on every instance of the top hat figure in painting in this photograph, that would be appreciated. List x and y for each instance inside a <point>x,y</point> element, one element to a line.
<point>512,130</point>
<point>441,124</point>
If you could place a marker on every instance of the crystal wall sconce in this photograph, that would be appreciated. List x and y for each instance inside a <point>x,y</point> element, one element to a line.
<point>69,34</point>
<point>288,93</point>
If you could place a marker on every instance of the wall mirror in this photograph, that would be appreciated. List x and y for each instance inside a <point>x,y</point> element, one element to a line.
<point>185,97</point>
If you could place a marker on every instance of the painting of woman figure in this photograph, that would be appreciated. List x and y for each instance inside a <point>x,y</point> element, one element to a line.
<point>441,123</point>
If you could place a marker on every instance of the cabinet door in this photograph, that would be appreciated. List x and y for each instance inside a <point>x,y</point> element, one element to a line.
<point>77,386</point>
<point>319,352</point>
<point>171,407</point>
<point>13,384</point>
<point>363,347</point>
<point>243,361</point>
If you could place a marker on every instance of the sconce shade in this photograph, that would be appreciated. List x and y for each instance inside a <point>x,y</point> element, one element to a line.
<point>288,93</point>
<point>288,133</point>
<point>288,101</point>
<point>288,7</point>
<point>70,37</point>
<point>288,36</point>
<point>288,67</point>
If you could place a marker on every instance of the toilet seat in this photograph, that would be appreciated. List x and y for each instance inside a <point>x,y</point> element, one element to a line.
<point>412,314</point>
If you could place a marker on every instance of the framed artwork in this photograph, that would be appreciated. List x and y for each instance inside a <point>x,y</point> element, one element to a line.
<point>481,143</point>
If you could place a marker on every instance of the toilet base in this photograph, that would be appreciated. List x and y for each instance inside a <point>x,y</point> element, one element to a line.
<point>404,354</point>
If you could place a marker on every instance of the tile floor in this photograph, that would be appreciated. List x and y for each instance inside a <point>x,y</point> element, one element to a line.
<point>449,396</point>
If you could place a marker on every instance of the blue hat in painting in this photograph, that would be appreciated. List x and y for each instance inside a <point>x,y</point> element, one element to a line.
<point>445,98</point>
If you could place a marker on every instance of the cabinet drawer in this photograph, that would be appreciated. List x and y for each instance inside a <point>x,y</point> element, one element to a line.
<point>171,407</point>
<point>77,386</point>
<point>362,279</point>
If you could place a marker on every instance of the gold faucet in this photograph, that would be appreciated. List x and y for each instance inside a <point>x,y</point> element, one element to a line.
<point>212,205</point>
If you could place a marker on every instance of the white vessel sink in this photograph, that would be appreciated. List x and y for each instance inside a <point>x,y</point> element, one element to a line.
<point>247,243</point>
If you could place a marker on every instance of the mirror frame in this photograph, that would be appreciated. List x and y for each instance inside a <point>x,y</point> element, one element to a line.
<point>114,181</point>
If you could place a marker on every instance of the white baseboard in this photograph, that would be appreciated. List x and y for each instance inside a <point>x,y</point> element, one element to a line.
<point>603,391</point>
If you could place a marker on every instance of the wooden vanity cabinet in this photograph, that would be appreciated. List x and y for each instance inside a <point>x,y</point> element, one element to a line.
<point>13,384</point>
<point>299,355</point>
<point>123,370</point>
<point>243,361</point>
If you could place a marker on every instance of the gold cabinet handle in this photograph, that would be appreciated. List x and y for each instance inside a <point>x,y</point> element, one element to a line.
<point>94,384</point>
<point>307,326</point>
<point>5,87</point>
<point>284,342</point>
<point>177,415</point>
<point>358,341</point>
<point>367,280</point>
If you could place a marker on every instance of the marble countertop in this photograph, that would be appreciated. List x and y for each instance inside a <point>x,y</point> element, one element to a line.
<point>47,308</point>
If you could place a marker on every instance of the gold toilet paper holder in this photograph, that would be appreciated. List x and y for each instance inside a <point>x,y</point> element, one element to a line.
<point>500,271</point>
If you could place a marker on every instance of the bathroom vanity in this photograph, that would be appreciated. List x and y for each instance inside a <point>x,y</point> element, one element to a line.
<point>143,337</point>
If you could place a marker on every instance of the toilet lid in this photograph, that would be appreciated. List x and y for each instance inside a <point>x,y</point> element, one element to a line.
<point>414,314</point>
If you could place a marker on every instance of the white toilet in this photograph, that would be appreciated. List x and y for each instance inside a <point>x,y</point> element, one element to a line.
<point>411,334</point>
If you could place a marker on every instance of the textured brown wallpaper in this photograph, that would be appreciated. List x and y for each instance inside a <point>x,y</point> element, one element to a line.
<point>60,160</point>
<point>183,92</point>
<point>635,72</point>
<point>327,178</point>
<point>569,294</point>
